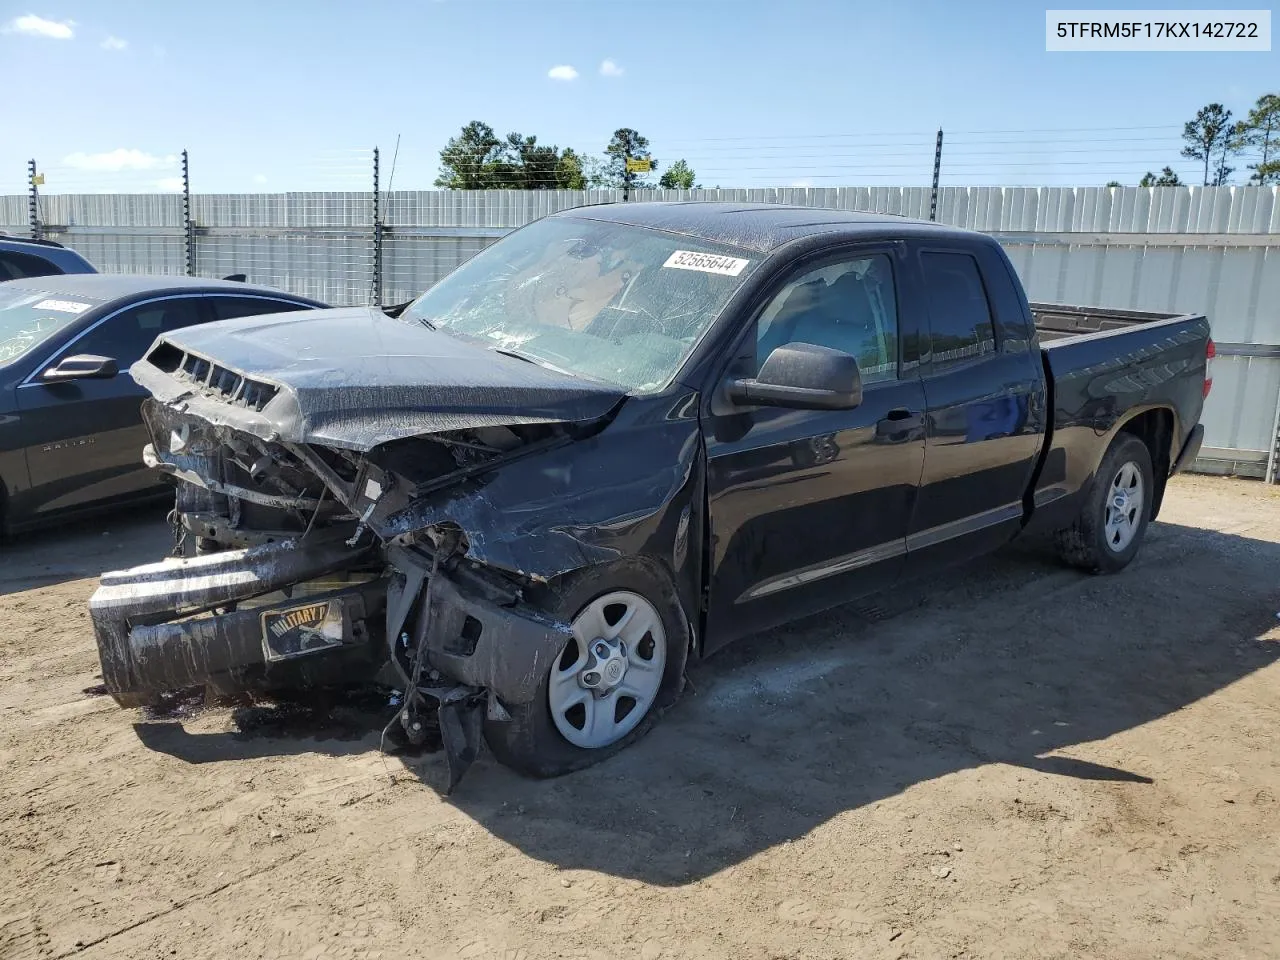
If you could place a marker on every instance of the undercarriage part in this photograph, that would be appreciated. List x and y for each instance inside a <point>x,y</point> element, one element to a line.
<point>461,731</point>
<point>147,648</point>
<point>476,636</point>
<point>465,644</point>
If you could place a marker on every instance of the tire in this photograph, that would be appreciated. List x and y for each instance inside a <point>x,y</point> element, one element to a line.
<point>532,741</point>
<point>1091,542</point>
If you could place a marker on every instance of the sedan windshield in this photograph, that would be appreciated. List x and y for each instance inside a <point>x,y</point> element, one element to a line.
<point>607,301</point>
<point>28,318</point>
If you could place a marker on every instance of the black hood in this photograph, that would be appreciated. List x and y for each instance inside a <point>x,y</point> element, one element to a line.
<point>356,378</point>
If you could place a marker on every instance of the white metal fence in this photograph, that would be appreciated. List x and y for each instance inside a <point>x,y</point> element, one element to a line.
<point>1189,249</point>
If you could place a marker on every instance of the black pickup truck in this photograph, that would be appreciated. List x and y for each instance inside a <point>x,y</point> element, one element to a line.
<point>616,440</point>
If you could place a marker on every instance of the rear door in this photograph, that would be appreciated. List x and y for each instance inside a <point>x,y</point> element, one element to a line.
<point>809,508</point>
<point>985,392</point>
<point>88,434</point>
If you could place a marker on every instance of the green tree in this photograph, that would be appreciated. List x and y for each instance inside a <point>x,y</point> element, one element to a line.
<point>477,160</point>
<point>627,144</point>
<point>679,176</point>
<point>1117,183</point>
<point>469,160</point>
<point>525,165</point>
<point>1261,132</point>
<point>570,173</point>
<point>1167,178</point>
<point>1210,137</point>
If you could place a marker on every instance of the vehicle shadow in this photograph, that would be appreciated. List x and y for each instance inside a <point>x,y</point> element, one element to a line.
<point>1008,662</point>
<point>80,549</point>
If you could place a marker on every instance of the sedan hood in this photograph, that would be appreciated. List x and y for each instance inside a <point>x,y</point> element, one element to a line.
<point>355,378</point>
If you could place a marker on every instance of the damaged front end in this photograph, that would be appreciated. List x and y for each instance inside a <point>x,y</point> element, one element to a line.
<point>308,570</point>
<point>389,524</point>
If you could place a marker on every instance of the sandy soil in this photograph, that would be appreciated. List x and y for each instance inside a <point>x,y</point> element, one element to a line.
<point>1015,761</point>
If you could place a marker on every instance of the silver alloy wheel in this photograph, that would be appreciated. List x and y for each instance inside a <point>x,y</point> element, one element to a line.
<point>1125,501</point>
<point>606,679</point>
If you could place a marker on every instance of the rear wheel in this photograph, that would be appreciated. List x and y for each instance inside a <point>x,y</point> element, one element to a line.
<point>1113,520</point>
<point>621,669</point>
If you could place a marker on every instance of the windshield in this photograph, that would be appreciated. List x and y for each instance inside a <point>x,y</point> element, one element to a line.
<point>29,318</point>
<point>607,301</point>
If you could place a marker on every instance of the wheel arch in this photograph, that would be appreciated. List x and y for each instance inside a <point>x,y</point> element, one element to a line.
<point>1157,427</point>
<point>658,565</point>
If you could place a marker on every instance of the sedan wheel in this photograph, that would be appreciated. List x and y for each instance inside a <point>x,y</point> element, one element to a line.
<point>610,672</point>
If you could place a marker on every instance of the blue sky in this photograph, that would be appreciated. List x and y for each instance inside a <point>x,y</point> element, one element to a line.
<point>292,96</point>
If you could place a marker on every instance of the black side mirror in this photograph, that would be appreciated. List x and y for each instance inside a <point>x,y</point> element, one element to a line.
<point>83,366</point>
<point>802,376</point>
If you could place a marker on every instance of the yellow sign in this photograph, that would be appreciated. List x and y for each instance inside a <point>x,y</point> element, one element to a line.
<point>38,180</point>
<point>639,164</point>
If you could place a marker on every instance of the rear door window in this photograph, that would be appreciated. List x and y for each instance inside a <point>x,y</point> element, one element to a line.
<point>228,308</point>
<point>959,313</point>
<point>15,266</point>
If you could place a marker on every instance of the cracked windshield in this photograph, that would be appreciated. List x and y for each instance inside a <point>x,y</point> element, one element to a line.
<point>606,301</point>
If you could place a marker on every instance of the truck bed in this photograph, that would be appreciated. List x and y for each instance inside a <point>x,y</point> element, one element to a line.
<point>1101,366</point>
<point>1058,321</point>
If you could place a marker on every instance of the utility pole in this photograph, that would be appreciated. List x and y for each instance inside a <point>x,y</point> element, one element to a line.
<point>188,229</point>
<point>377,235</point>
<point>33,202</point>
<point>937,170</point>
<point>626,176</point>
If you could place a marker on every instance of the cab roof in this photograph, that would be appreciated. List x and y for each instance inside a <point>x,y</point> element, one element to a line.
<point>762,226</point>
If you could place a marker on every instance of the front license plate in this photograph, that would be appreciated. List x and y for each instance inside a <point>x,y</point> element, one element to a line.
<point>298,631</point>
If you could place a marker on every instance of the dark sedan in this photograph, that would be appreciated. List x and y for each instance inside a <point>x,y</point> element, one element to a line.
<point>71,434</point>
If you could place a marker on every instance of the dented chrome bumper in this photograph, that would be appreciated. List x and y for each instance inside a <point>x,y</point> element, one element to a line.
<point>182,622</point>
<point>293,614</point>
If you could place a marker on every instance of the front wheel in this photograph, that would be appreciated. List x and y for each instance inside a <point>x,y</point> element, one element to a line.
<point>621,669</point>
<point>1113,520</point>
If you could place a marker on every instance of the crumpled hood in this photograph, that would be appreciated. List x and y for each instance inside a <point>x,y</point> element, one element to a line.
<point>355,378</point>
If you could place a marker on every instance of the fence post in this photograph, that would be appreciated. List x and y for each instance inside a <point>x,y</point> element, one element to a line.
<point>937,170</point>
<point>188,229</point>
<point>377,235</point>
<point>1273,454</point>
<point>33,202</point>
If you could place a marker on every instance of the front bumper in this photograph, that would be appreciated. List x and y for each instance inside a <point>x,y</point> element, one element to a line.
<point>183,622</point>
<point>227,618</point>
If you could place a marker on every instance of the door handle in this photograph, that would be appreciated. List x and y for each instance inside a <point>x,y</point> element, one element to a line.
<point>898,425</point>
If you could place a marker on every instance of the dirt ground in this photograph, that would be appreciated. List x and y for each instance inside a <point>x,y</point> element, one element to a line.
<point>1014,761</point>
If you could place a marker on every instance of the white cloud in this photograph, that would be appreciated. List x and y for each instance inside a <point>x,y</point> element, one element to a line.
<point>610,69</point>
<point>259,178</point>
<point>113,43</point>
<point>35,26</point>
<point>169,183</point>
<point>802,183</point>
<point>563,72</point>
<point>113,161</point>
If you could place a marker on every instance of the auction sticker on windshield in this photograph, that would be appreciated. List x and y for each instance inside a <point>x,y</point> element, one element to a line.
<point>63,306</point>
<point>706,263</point>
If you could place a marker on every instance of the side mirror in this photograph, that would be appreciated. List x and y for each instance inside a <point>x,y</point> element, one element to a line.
<point>803,376</point>
<point>83,366</point>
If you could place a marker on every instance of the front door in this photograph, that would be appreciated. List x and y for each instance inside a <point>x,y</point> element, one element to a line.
<point>87,435</point>
<point>810,508</point>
